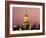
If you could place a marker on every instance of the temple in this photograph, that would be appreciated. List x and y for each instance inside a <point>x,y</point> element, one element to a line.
<point>27,24</point>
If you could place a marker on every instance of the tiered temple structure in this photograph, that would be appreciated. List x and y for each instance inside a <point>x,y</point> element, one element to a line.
<point>26,25</point>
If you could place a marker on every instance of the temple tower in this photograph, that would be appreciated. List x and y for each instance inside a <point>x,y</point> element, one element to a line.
<point>26,22</point>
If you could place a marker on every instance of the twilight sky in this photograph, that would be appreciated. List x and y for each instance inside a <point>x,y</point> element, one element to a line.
<point>19,13</point>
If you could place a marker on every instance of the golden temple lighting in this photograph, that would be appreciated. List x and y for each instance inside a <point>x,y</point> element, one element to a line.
<point>27,24</point>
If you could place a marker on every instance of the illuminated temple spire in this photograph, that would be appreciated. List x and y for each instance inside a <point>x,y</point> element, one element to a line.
<point>26,21</point>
